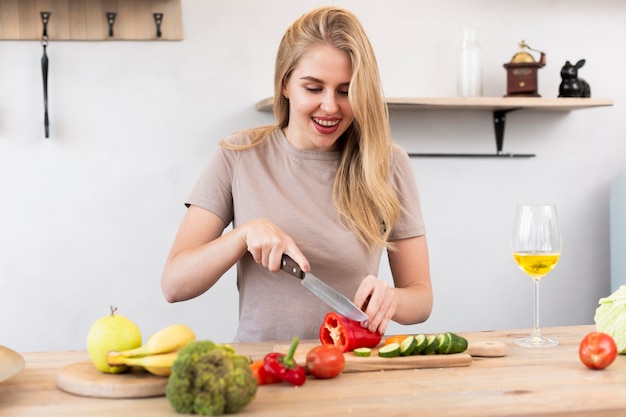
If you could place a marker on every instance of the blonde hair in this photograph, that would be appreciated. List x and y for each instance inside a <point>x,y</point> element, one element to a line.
<point>363,194</point>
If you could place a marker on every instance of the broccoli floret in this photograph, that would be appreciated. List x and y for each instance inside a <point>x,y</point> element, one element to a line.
<point>210,379</point>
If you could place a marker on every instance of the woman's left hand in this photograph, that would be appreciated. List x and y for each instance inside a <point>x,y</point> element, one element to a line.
<point>379,301</point>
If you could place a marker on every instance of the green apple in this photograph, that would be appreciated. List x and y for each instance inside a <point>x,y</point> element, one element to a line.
<point>113,332</point>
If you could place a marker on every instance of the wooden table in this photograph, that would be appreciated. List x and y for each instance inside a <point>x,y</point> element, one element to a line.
<point>541,382</point>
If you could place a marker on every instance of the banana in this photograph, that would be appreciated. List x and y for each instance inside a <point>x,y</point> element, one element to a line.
<point>159,364</point>
<point>168,339</point>
<point>159,353</point>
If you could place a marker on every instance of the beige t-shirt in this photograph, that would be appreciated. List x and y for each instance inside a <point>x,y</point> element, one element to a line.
<point>293,189</point>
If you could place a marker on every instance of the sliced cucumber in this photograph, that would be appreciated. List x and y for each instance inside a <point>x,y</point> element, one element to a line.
<point>389,351</point>
<point>407,345</point>
<point>444,340</point>
<point>363,352</point>
<point>458,344</point>
<point>433,342</point>
<point>421,343</point>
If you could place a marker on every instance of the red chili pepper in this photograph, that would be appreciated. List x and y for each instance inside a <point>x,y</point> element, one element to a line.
<point>284,367</point>
<point>346,334</point>
<point>261,375</point>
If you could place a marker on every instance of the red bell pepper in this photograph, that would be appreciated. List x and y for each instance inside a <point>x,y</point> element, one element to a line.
<point>284,367</point>
<point>346,334</point>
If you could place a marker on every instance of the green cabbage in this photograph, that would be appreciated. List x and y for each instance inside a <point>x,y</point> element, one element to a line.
<point>610,317</point>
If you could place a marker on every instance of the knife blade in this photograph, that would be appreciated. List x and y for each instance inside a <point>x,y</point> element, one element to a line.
<point>339,302</point>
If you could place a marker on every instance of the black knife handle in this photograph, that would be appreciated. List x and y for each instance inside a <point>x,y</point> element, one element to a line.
<point>291,267</point>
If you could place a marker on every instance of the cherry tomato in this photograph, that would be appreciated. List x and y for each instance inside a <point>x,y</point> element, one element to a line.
<point>597,350</point>
<point>325,361</point>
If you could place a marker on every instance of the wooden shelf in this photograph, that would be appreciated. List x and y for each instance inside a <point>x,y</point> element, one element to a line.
<point>499,106</point>
<point>480,103</point>
<point>496,103</point>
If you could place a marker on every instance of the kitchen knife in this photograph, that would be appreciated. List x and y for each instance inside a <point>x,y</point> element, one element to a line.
<point>340,303</point>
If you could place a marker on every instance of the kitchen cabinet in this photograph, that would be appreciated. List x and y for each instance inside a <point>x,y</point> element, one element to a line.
<point>498,106</point>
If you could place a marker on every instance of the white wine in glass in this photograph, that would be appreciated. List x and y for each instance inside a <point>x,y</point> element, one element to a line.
<point>536,250</point>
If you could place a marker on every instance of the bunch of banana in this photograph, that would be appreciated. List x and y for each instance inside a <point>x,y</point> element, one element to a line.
<point>159,353</point>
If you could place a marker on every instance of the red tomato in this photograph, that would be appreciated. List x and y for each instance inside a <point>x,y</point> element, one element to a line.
<point>325,361</point>
<point>597,350</point>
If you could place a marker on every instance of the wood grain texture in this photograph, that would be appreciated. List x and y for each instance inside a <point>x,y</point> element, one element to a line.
<point>82,378</point>
<point>526,382</point>
<point>85,20</point>
<point>9,20</point>
<point>486,349</point>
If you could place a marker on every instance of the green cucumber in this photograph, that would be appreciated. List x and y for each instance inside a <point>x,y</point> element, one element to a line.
<point>363,352</point>
<point>407,345</point>
<point>444,340</point>
<point>458,344</point>
<point>389,351</point>
<point>422,342</point>
<point>433,342</point>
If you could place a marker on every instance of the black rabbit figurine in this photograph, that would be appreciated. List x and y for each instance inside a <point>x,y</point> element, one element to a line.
<point>571,85</point>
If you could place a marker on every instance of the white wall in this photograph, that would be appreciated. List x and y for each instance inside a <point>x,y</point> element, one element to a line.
<point>87,216</point>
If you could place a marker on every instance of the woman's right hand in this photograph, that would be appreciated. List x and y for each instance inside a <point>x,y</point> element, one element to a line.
<point>267,243</point>
<point>201,253</point>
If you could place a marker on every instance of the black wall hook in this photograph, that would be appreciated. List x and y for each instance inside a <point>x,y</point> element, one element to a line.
<point>158,20</point>
<point>45,17</point>
<point>111,21</point>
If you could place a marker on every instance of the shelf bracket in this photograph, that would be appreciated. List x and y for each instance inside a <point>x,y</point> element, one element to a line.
<point>499,122</point>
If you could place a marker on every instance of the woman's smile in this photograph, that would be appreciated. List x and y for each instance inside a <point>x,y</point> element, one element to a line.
<point>325,125</point>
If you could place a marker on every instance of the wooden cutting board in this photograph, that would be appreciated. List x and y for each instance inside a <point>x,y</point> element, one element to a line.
<point>376,363</point>
<point>82,378</point>
<point>484,349</point>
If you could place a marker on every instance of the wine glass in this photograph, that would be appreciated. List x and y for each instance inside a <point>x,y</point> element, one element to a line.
<point>536,250</point>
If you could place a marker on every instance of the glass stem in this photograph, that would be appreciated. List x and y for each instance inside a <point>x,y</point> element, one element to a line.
<point>537,331</point>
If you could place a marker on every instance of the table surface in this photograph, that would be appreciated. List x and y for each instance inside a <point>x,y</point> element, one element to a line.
<point>542,382</point>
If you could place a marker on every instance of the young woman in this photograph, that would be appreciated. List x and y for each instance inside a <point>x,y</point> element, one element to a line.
<point>325,186</point>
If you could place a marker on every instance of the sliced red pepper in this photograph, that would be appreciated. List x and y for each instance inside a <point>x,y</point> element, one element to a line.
<point>284,367</point>
<point>346,334</point>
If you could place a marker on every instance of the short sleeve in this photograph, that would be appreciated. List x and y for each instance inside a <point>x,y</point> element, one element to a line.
<point>213,189</point>
<point>410,222</point>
